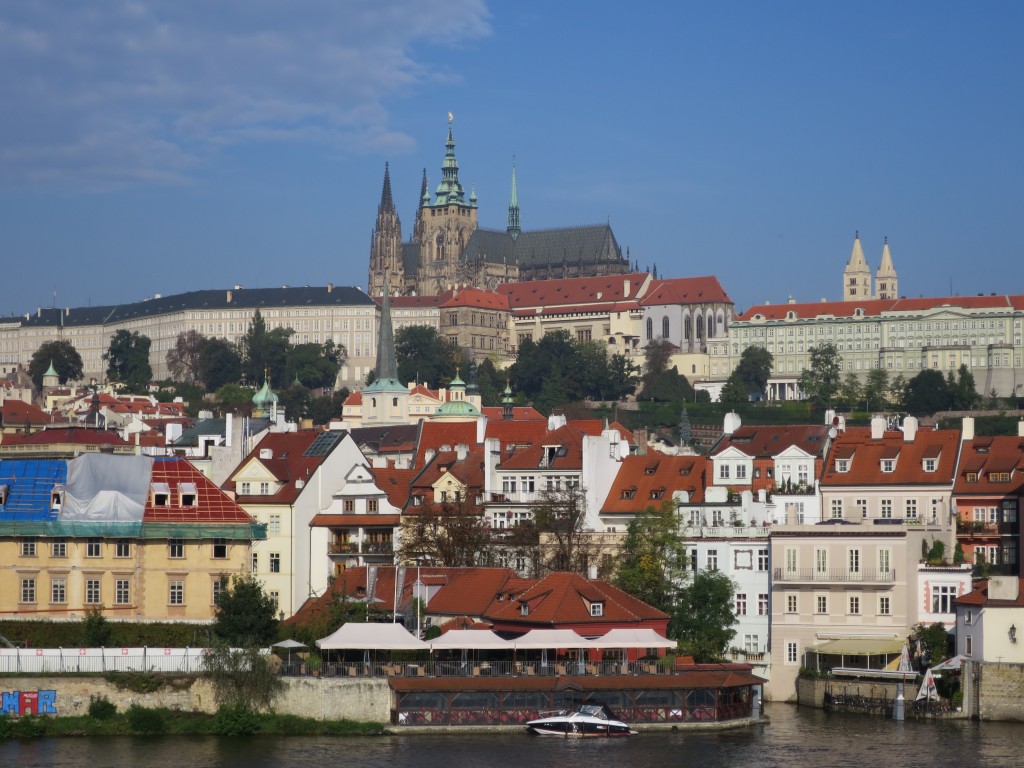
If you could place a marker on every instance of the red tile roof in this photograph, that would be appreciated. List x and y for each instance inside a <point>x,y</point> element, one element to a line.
<point>519,413</point>
<point>685,290</point>
<point>874,307</point>
<point>979,596</point>
<point>74,435</point>
<point>574,292</point>
<point>565,598</point>
<point>641,478</point>
<point>767,441</point>
<point>474,297</point>
<point>351,520</point>
<point>212,504</point>
<point>287,463</point>
<point>19,412</point>
<point>568,456</point>
<point>434,435</point>
<point>865,456</point>
<point>986,458</point>
<point>396,483</point>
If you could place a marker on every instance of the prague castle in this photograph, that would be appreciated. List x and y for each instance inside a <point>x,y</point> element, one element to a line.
<point>448,248</point>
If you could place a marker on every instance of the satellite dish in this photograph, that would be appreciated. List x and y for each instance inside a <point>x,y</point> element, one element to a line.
<point>832,432</point>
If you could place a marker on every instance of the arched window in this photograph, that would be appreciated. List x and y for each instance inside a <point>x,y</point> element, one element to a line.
<point>686,328</point>
<point>650,329</point>
<point>664,327</point>
<point>711,327</point>
<point>700,328</point>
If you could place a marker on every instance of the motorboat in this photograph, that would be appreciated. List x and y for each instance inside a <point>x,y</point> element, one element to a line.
<point>590,720</point>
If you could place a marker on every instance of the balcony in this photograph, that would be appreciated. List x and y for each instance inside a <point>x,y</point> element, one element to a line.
<point>726,532</point>
<point>833,576</point>
<point>368,548</point>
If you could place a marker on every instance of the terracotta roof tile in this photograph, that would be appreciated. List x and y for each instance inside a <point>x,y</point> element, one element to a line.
<point>641,478</point>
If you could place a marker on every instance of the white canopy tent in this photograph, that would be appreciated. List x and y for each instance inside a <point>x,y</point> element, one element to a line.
<point>633,638</point>
<point>482,639</point>
<point>552,638</point>
<point>389,637</point>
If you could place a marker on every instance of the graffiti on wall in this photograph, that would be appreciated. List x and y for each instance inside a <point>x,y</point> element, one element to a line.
<point>18,703</point>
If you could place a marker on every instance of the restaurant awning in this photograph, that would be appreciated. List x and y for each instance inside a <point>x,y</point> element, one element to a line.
<point>391,637</point>
<point>633,638</point>
<point>859,646</point>
<point>483,639</point>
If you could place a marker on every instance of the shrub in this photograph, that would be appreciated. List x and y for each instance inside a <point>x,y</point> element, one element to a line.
<point>29,727</point>
<point>236,721</point>
<point>143,720</point>
<point>101,708</point>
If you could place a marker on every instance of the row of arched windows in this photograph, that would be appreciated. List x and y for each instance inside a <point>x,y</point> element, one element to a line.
<point>710,323</point>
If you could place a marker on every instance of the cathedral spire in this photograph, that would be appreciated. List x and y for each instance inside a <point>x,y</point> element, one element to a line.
<point>449,191</point>
<point>387,204</point>
<point>886,281</point>
<point>424,191</point>
<point>857,275</point>
<point>513,227</point>
<point>387,363</point>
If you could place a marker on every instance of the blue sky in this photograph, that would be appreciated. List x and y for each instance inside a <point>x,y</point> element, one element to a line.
<point>158,147</point>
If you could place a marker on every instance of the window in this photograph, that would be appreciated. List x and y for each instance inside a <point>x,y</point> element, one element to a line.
<point>176,594</point>
<point>58,547</point>
<point>862,507</point>
<point>712,560</point>
<point>741,604</point>
<point>741,472</point>
<point>888,465</point>
<point>842,465</point>
<point>348,505</point>
<point>217,591</point>
<point>929,465</point>
<point>968,617</point>
<point>28,590</point>
<point>176,548</point>
<point>524,609</point>
<point>58,591</point>
<point>220,548</point>
<point>274,527</point>
<point>28,548</point>
<point>255,562</point>
<point>275,597</point>
<point>791,652</point>
<point>373,506</point>
<point>821,603</point>
<point>664,327</point>
<point>911,509</point>
<point>693,560</point>
<point>275,562</point>
<point>264,489</point>
<point>886,508</point>
<point>791,560</point>
<point>854,605</point>
<point>94,548</point>
<point>884,605</point>
<point>122,592</point>
<point>762,604</point>
<point>821,561</point>
<point>942,599</point>
<point>723,471</point>
<point>762,559</point>
<point>791,603</point>
<point>597,609</point>
<point>750,643</point>
<point>884,562</point>
<point>853,561</point>
<point>92,591</point>
<point>123,548</point>
<point>968,646</point>
<point>244,489</point>
<point>837,509</point>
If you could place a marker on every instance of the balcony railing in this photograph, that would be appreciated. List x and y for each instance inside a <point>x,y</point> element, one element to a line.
<point>368,548</point>
<point>726,532</point>
<point>841,575</point>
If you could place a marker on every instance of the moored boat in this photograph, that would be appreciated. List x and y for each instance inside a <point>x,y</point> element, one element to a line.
<point>590,720</point>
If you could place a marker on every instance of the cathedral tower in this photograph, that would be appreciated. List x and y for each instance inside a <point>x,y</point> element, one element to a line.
<point>386,263</point>
<point>857,275</point>
<point>513,227</point>
<point>886,282</point>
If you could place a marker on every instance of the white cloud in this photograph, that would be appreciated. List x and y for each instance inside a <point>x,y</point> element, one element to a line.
<point>111,93</point>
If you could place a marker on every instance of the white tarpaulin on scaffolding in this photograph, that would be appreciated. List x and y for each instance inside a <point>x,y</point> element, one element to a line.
<point>106,488</point>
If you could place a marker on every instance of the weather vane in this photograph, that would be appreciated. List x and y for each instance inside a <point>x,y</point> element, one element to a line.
<point>450,118</point>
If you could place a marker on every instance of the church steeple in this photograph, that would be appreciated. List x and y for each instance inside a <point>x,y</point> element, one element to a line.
<point>386,265</point>
<point>387,205</point>
<point>857,275</point>
<point>449,191</point>
<point>387,361</point>
<point>886,281</point>
<point>513,227</point>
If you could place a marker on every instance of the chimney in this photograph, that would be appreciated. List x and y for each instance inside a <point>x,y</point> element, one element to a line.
<point>909,429</point>
<point>1003,588</point>
<point>461,450</point>
<point>330,287</point>
<point>967,431</point>
<point>229,297</point>
<point>877,427</point>
<point>732,422</point>
<point>625,288</point>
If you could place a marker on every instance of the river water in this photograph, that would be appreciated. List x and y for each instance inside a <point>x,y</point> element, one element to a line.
<point>794,738</point>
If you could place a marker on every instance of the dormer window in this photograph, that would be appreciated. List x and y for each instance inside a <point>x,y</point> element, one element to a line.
<point>929,465</point>
<point>56,496</point>
<point>657,493</point>
<point>999,477</point>
<point>723,472</point>
<point>629,493</point>
<point>161,494</point>
<point>972,477</point>
<point>888,465</point>
<point>597,609</point>
<point>524,609</point>
<point>842,465</point>
<point>189,494</point>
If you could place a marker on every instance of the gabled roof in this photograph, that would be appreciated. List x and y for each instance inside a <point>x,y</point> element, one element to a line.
<point>519,413</point>
<point>287,463</point>
<point>768,441</point>
<point>987,459</point>
<point>567,453</point>
<point>865,457</point>
<point>215,427</point>
<point>212,504</point>
<point>472,591</point>
<point>20,413</point>
<point>575,292</point>
<point>565,598</point>
<point>979,597</point>
<point>443,435</point>
<point>74,435</point>
<point>474,297</point>
<point>685,290</point>
<point>396,483</point>
<point>876,307</point>
<point>645,481</point>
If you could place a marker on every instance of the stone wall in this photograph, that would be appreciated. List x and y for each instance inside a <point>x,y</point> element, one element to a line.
<point>999,690</point>
<point>367,700</point>
<point>811,691</point>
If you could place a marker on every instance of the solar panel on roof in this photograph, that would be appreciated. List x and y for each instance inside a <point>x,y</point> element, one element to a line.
<point>323,444</point>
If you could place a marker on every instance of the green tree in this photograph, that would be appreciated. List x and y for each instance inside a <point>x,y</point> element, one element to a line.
<point>652,560</point>
<point>927,393</point>
<point>754,369</point>
<point>876,390</point>
<point>295,401</point>
<point>963,395</point>
<point>851,391</point>
<point>62,355</point>
<point>565,542</point>
<point>704,618</point>
<point>245,615</point>
<point>657,354</point>
<point>685,429</point>
<point>491,383</point>
<point>820,380</point>
<point>242,677</point>
<point>264,353</point>
<point>425,355</point>
<point>623,377</point>
<point>322,409</point>
<point>898,391</point>
<point>934,641</point>
<point>553,394</point>
<point>734,391</point>
<point>128,360</point>
<point>315,365</point>
<point>183,358</point>
<point>219,364</point>
<point>96,630</point>
<point>235,397</point>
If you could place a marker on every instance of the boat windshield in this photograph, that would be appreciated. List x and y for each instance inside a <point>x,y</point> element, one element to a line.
<point>594,710</point>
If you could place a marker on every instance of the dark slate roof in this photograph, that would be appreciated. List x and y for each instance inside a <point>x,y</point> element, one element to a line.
<point>544,246</point>
<point>242,298</point>
<point>190,437</point>
<point>411,258</point>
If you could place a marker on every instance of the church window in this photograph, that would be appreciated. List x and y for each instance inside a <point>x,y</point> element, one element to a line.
<point>650,329</point>
<point>711,327</point>
<point>686,329</point>
<point>664,327</point>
